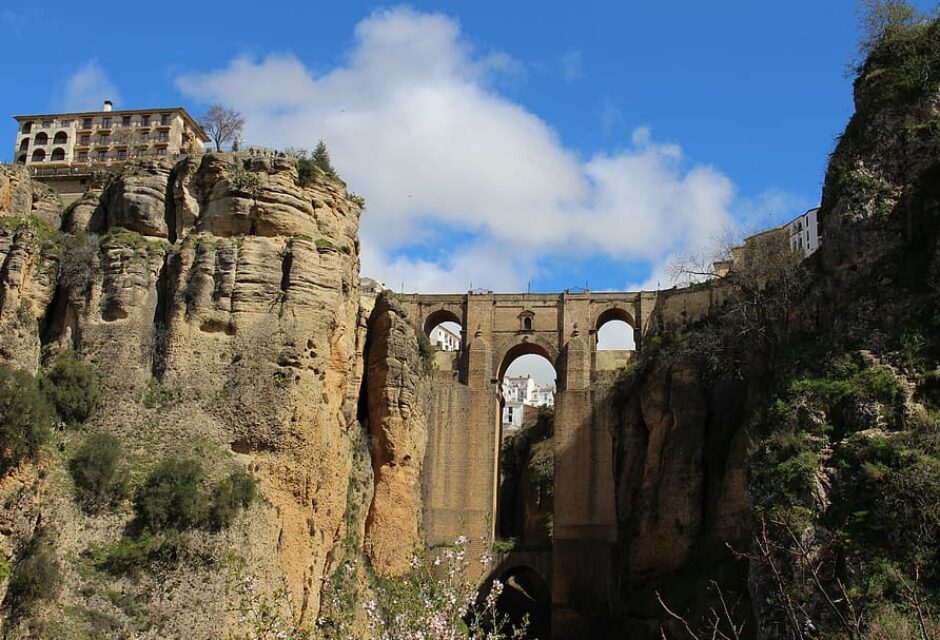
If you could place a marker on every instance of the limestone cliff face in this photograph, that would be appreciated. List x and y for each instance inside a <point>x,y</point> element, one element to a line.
<point>397,395</point>
<point>217,298</point>
<point>680,465</point>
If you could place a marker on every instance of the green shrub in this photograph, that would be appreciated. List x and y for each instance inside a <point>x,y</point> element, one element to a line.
<point>234,493</point>
<point>72,387</point>
<point>35,577</point>
<point>131,556</point>
<point>171,496</point>
<point>94,469</point>
<point>25,417</point>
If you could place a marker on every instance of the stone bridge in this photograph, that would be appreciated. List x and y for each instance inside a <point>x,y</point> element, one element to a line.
<point>461,471</point>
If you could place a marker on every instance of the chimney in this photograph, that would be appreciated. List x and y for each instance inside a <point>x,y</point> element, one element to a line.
<point>107,105</point>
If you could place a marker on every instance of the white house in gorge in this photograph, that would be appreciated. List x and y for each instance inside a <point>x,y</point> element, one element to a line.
<point>521,392</point>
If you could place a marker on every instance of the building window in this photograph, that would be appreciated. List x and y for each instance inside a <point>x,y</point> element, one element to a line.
<point>106,123</point>
<point>28,127</point>
<point>145,120</point>
<point>104,138</point>
<point>47,124</point>
<point>86,123</point>
<point>24,144</point>
<point>126,121</point>
<point>83,156</point>
<point>122,154</point>
<point>41,139</point>
<point>22,159</point>
<point>163,136</point>
<point>58,154</point>
<point>165,118</point>
<point>102,155</point>
<point>39,155</point>
<point>65,123</point>
<point>86,139</point>
<point>61,138</point>
<point>527,323</point>
<point>161,152</point>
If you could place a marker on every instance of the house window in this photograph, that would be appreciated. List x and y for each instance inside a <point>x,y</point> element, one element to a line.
<point>61,138</point>
<point>165,118</point>
<point>83,156</point>
<point>122,154</point>
<point>46,124</point>
<point>41,138</point>
<point>58,154</point>
<point>86,123</point>
<point>104,138</point>
<point>39,155</point>
<point>145,120</point>
<point>86,139</point>
<point>24,144</point>
<point>163,136</point>
<point>102,155</point>
<point>65,123</point>
<point>509,414</point>
<point>527,323</point>
<point>126,121</point>
<point>28,127</point>
<point>106,123</point>
<point>161,152</point>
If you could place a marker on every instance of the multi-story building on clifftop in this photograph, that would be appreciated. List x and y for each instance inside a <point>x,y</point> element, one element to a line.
<point>52,142</point>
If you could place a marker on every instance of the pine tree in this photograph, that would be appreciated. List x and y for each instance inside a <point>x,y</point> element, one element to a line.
<point>321,158</point>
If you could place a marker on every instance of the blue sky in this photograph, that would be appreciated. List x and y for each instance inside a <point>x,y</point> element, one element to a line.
<point>503,145</point>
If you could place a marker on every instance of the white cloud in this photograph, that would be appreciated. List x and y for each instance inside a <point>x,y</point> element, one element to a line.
<point>87,89</point>
<point>413,124</point>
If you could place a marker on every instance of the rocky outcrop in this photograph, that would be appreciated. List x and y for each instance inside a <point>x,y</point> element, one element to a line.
<point>681,471</point>
<point>397,388</point>
<point>217,297</point>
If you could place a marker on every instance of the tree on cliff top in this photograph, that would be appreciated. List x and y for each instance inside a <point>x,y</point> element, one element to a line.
<point>321,158</point>
<point>222,124</point>
<point>881,19</point>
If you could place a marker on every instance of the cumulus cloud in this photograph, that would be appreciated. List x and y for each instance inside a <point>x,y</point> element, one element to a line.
<point>462,184</point>
<point>87,89</point>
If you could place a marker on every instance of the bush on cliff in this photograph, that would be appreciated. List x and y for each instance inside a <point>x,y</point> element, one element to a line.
<point>94,469</point>
<point>36,576</point>
<point>171,496</point>
<point>233,494</point>
<point>72,387</point>
<point>25,417</point>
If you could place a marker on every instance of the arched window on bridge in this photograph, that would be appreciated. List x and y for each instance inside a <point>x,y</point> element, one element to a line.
<point>526,455</point>
<point>615,331</point>
<point>444,331</point>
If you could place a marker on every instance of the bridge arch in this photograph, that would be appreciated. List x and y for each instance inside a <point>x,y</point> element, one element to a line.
<point>526,593</point>
<point>528,345</point>
<point>614,313</point>
<point>439,316</point>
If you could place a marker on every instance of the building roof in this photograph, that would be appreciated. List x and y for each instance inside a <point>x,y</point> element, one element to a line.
<point>78,114</point>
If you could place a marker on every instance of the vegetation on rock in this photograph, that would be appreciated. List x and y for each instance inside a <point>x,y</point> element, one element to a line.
<point>25,417</point>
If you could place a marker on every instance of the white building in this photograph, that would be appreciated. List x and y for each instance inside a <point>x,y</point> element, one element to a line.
<point>520,392</point>
<point>443,339</point>
<point>803,233</point>
<point>65,140</point>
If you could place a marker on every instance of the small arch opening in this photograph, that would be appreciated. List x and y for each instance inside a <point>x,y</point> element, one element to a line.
<point>24,144</point>
<point>615,331</point>
<point>444,330</point>
<point>42,138</point>
<point>58,154</point>
<point>60,138</point>
<point>22,158</point>
<point>39,155</point>
<point>28,127</point>
<point>525,489</point>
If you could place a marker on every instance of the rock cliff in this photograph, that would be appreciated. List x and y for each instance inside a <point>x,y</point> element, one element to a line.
<point>217,298</point>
